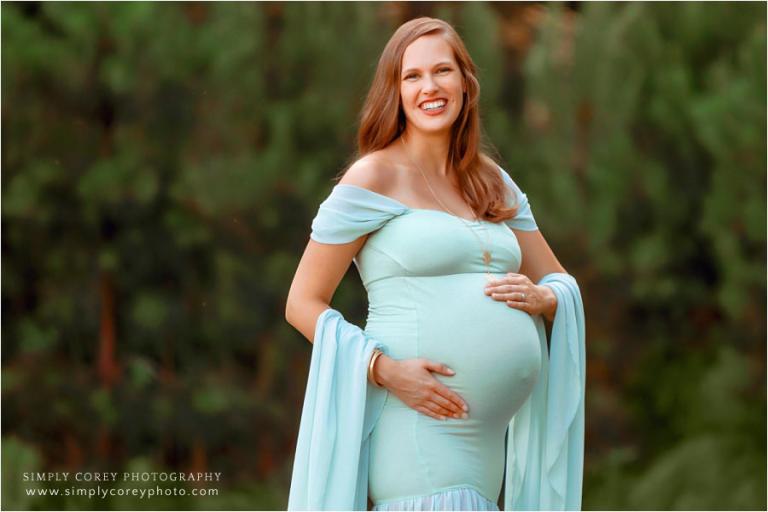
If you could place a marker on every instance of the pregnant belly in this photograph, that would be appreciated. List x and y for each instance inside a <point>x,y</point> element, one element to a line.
<point>494,349</point>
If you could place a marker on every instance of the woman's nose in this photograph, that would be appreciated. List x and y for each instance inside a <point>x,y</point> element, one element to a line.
<point>429,84</point>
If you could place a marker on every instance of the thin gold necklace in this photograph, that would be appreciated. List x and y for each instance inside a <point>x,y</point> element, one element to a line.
<point>486,252</point>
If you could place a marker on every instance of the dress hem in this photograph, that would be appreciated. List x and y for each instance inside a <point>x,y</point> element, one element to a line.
<point>455,497</point>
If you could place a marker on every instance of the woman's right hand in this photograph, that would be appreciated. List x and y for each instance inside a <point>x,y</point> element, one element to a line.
<point>411,380</point>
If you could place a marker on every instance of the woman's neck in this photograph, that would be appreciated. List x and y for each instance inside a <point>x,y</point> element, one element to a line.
<point>430,152</point>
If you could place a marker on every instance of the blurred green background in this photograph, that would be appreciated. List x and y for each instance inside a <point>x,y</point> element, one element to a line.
<point>162,164</point>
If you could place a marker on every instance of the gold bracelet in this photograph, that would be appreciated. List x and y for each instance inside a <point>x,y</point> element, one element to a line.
<point>376,353</point>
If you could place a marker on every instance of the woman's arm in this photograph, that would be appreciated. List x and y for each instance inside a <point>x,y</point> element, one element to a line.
<point>323,265</point>
<point>538,261</point>
<point>538,258</point>
<point>319,273</point>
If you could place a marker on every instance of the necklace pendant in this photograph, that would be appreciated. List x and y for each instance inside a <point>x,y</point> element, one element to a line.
<point>487,257</point>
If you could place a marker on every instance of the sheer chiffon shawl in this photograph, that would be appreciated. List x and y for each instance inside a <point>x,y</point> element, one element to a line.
<point>544,459</point>
<point>545,445</point>
<point>330,468</point>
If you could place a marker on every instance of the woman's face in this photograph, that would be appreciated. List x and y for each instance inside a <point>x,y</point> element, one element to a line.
<point>431,85</point>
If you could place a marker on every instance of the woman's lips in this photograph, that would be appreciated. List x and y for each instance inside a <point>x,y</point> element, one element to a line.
<point>435,111</point>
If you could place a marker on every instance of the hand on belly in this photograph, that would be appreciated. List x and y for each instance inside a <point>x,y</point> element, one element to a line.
<point>496,359</point>
<point>411,381</point>
<point>495,388</point>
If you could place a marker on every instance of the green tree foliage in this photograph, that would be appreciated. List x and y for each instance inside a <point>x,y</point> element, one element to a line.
<point>162,164</point>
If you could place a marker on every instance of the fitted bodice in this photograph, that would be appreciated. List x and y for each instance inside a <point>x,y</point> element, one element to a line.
<point>433,243</point>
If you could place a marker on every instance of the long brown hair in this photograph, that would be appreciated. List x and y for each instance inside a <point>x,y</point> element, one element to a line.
<point>382,120</point>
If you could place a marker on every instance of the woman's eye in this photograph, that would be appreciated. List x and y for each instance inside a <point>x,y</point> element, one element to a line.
<point>414,75</point>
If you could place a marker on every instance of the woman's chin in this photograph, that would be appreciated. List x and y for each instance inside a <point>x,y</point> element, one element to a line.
<point>432,128</point>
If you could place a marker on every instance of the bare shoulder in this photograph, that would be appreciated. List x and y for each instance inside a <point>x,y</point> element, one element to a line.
<point>373,172</point>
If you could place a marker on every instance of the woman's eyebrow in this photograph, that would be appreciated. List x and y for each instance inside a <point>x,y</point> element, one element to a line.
<point>436,65</point>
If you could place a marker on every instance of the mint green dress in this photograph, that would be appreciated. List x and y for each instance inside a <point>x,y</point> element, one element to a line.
<point>424,276</point>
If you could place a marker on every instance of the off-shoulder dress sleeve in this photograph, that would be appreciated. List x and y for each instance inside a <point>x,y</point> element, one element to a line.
<point>350,212</point>
<point>524,220</point>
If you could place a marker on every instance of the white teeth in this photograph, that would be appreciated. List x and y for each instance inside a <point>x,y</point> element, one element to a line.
<point>433,105</point>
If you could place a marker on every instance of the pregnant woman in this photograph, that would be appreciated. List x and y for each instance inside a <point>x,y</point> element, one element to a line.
<point>412,411</point>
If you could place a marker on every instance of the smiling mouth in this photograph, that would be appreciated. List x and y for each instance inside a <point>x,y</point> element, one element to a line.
<point>434,105</point>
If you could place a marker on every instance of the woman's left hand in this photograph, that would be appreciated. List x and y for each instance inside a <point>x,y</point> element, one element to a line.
<point>520,293</point>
